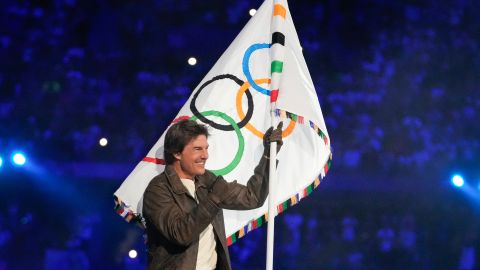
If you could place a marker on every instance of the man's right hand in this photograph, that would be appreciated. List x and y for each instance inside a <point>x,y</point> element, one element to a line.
<point>218,192</point>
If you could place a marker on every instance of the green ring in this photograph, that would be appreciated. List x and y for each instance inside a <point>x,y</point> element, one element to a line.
<point>241,143</point>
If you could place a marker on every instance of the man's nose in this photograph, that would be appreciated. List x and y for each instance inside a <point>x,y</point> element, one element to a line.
<point>205,154</point>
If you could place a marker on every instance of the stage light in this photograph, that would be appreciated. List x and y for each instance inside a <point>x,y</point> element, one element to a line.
<point>132,254</point>
<point>252,12</point>
<point>1,162</point>
<point>192,61</point>
<point>457,180</point>
<point>19,159</point>
<point>103,142</point>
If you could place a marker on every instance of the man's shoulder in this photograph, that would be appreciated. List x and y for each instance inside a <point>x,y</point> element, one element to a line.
<point>207,178</point>
<point>158,181</point>
<point>209,174</point>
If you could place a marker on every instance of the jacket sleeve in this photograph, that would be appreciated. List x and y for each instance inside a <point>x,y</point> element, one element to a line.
<point>251,196</point>
<point>161,211</point>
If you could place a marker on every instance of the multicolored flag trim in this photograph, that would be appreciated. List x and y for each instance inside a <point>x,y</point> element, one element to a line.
<point>238,119</point>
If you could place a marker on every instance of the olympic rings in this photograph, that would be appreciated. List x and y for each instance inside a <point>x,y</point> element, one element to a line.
<point>288,130</point>
<point>205,120</point>
<point>246,69</point>
<point>241,141</point>
<point>244,118</point>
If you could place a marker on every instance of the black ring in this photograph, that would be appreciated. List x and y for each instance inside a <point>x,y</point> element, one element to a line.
<point>205,120</point>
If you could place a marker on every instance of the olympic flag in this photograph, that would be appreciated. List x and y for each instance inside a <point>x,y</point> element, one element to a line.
<point>234,100</point>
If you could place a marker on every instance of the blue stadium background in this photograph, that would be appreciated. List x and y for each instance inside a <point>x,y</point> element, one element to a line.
<point>398,82</point>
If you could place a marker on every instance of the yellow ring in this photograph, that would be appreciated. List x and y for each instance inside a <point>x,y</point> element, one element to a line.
<point>241,114</point>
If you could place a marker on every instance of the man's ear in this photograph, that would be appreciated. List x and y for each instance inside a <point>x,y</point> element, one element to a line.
<point>178,155</point>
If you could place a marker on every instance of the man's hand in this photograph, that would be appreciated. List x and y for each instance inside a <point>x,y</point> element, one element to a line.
<point>272,135</point>
<point>218,192</point>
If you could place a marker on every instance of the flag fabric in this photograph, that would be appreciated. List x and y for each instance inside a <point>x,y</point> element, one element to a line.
<point>233,100</point>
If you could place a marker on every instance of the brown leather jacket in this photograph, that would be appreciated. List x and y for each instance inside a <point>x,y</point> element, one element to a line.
<point>175,220</point>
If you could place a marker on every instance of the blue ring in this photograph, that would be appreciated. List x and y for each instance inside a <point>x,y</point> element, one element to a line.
<point>246,69</point>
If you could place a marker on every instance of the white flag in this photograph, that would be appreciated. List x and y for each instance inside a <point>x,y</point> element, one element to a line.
<point>234,101</point>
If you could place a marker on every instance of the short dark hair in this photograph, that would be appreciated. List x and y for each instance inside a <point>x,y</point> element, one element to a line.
<point>179,135</point>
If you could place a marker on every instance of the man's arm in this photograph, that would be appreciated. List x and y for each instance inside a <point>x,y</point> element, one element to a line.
<point>236,196</point>
<point>178,227</point>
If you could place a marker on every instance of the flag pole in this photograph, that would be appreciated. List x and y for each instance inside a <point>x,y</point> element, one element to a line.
<point>277,56</point>
<point>271,201</point>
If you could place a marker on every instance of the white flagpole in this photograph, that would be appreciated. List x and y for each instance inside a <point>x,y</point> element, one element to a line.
<point>271,202</point>
<point>276,54</point>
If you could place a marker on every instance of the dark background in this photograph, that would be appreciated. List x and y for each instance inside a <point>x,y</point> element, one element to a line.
<point>398,82</point>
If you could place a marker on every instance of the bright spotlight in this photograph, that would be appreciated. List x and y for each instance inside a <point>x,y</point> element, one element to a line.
<point>252,12</point>
<point>1,162</point>
<point>103,142</point>
<point>132,254</point>
<point>19,159</point>
<point>192,61</point>
<point>458,181</point>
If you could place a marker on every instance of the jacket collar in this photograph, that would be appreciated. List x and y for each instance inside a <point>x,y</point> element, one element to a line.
<point>177,185</point>
<point>174,180</point>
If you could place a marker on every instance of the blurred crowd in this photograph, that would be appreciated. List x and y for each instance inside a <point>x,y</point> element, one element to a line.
<point>325,232</point>
<point>397,81</point>
<point>360,233</point>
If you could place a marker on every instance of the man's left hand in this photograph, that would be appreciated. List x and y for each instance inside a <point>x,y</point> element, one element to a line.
<point>272,135</point>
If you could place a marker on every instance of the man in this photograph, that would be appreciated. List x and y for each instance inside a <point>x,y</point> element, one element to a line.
<point>183,205</point>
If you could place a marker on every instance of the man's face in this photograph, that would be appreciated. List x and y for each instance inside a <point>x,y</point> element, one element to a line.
<point>191,161</point>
